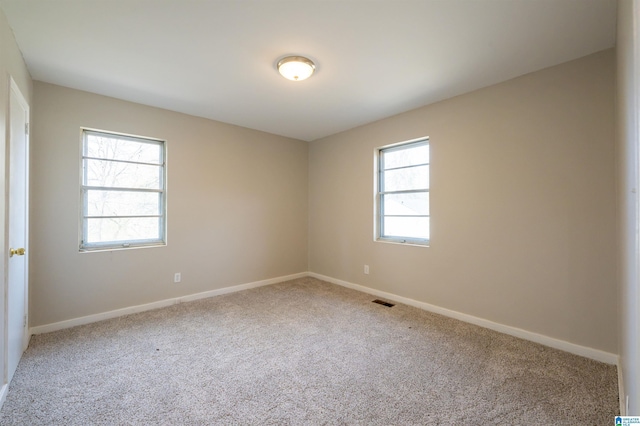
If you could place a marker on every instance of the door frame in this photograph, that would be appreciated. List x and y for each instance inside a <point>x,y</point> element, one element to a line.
<point>23,101</point>
<point>14,90</point>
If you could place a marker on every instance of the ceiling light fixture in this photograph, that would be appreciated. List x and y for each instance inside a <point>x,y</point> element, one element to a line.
<point>296,68</point>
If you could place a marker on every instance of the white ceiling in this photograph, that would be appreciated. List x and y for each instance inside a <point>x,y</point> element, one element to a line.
<point>216,58</point>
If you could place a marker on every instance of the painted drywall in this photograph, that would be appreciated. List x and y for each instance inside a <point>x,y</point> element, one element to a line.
<point>628,140</point>
<point>11,64</point>
<point>522,205</point>
<point>237,208</point>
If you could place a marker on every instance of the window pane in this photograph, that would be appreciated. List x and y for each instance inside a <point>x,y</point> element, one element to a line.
<point>114,148</point>
<point>122,229</point>
<point>123,203</point>
<point>406,227</point>
<point>128,175</point>
<point>122,175</point>
<point>406,156</point>
<point>406,179</point>
<point>406,204</point>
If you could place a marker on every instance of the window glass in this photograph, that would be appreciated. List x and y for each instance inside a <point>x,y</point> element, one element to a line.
<point>403,193</point>
<point>123,196</point>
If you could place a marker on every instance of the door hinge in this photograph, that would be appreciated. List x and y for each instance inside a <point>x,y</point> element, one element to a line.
<point>26,128</point>
<point>25,321</point>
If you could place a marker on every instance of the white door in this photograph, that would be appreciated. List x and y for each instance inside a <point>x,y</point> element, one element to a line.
<point>17,230</point>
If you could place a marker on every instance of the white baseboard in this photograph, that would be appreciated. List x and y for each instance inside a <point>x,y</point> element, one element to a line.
<point>3,394</point>
<point>621,394</point>
<point>584,351</point>
<point>587,352</point>
<point>155,305</point>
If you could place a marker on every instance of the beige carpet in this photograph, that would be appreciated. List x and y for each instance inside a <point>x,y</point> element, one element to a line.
<point>301,352</point>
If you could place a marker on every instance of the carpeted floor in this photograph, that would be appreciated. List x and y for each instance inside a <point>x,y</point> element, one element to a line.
<point>301,352</point>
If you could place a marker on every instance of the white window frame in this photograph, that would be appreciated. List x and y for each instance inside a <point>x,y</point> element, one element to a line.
<point>121,244</point>
<point>379,215</point>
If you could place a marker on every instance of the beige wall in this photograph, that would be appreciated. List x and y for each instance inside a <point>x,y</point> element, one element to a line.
<point>11,64</point>
<point>628,140</point>
<point>522,204</point>
<point>237,208</point>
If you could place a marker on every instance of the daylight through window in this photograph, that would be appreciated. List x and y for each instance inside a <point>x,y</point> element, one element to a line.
<point>123,191</point>
<point>403,193</point>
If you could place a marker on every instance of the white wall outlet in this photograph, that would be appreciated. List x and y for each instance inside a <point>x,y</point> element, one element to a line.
<point>366,269</point>
<point>177,277</point>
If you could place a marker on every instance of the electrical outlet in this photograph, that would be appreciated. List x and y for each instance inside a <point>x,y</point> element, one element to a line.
<point>366,269</point>
<point>177,277</point>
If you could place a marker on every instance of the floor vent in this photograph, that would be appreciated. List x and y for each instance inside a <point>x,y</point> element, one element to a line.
<point>383,303</point>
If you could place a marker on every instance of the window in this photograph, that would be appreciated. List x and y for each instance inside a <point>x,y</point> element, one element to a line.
<point>123,191</point>
<point>403,193</point>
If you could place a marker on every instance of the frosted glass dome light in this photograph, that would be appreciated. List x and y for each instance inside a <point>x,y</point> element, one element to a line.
<point>296,68</point>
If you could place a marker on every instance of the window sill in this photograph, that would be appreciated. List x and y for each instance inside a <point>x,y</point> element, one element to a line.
<point>402,243</point>
<point>120,248</point>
